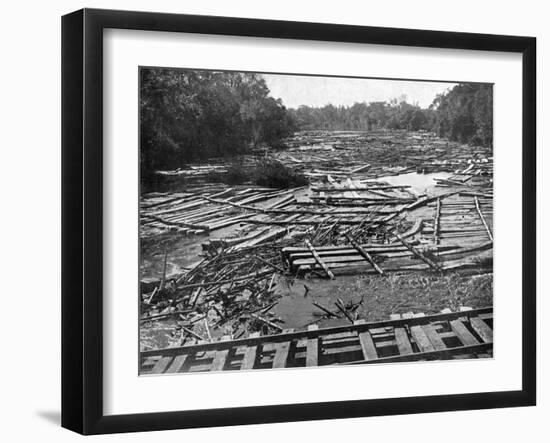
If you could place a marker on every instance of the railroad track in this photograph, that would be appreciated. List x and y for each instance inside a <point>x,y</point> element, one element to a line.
<point>407,337</point>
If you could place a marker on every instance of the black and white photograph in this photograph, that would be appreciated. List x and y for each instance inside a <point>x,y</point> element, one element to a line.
<point>275,221</point>
<point>291,221</point>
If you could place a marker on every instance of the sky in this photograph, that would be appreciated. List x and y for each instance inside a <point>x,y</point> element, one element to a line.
<point>296,90</point>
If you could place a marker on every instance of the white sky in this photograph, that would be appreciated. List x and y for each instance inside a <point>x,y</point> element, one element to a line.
<point>296,90</point>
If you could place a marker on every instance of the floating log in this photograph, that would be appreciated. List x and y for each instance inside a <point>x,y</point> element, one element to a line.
<point>415,229</point>
<point>419,254</point>
<point>327,311</point>
<point>277,268</point>
<point>267,322</point>
<point>360,169</point>
<point>358,188</point>
<point>436,221</point>
<point>344,311</point>
<point>194,334</point>
<point>263,237</point>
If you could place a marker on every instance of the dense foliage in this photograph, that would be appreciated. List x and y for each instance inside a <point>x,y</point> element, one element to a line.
<point>465,114</point>
<point>363,117</point>
<point>188,115</point>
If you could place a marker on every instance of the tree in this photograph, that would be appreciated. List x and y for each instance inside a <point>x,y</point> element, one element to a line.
<point>465,114</point>
<point>363,117</point>
<point>187,115</point>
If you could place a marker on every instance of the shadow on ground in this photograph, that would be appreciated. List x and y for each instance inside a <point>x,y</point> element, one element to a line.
<point>53,417</point>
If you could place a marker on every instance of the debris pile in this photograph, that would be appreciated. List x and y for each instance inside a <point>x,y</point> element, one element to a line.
<point>352,219</point>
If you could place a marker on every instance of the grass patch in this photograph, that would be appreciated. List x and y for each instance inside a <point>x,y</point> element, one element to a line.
<point>423,292</point>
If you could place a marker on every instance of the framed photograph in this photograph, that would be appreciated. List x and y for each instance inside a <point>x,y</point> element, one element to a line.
<point>270,221</point>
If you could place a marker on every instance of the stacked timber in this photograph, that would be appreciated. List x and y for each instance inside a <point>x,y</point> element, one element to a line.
<point>379,259</point>
<point>460,219</point>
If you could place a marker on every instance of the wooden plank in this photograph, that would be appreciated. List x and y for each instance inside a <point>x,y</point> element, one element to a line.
<point>403,343</point>
<point>434,337</point>
<point>250,354</point>
<point>461,331</point>
<point>367,343</point>
<point>364,254</point>
<point>436,221</point>
<point>282,351</point>
<point>319,261</point>
<point>267,322</point>
<point>281,354</point>
<point>303,335</point>
<point>421,339</point>
<point>312,348</point>
<point>419,254</point>
<point>489,233</point>
<point>415,229</point>
<point>358,188</point>
<point>177,364</point>
<point>484,331</point>
<point>161,365</point>
<point>356,260</point>
<point>220,357</point>
<point>433,355</point>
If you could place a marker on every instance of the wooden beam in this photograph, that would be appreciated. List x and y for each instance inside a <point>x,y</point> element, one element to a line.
<point>220,357</point>
<point>177,364</point>
<point>419,254</point>
<point>432,355</point>
<point>161,365</point>
<point>250,354</point>
<point>312,348</point>
<point>319,261</point>
<point>364,254</point>
<point>434,337</point>
<point>436,221</point>
<point>421,339</point>
<point>281,355</point>
<point>303,335</point>
<point>403,343</point>
<point>367,343</point>
<point>482,329</point>
<point>489,233</point>
<point>463,334</point>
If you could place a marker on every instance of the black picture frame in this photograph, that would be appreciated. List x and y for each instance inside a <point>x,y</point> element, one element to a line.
<point>82,220</point>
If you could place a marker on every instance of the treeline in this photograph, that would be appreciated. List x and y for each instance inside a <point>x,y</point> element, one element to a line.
<point>188,115</point>
<point>362,117</point>
<point>465,114</point>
